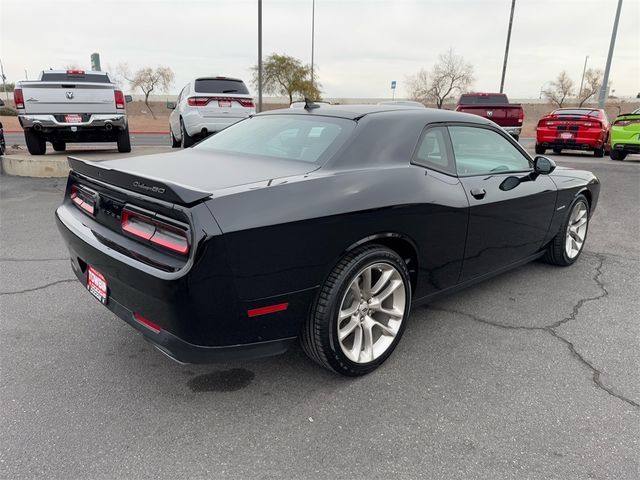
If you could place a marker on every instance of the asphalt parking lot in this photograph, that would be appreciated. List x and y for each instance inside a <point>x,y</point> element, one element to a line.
<point>531,375</point>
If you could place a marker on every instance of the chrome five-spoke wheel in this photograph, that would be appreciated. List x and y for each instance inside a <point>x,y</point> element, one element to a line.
<point>371,312</point>
<point>576,230</point>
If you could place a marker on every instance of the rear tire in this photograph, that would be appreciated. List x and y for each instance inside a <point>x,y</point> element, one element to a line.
<point>124,141</point>
<point>35,142</point>
<point>540,150</point>
<point>174,143</point>
<point>557,252</point>
<point>351,302</point>
<point>59,146</point>
<point>598,152</point>
<point>557,151</point>
<point>186,140</point>
<point>617,155</point>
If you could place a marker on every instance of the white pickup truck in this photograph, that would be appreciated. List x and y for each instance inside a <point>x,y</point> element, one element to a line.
<point>69,107</point>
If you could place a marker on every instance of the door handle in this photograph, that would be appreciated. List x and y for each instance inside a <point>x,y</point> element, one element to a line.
<point>478,193</point>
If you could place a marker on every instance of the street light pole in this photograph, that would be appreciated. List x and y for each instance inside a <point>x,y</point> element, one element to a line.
<point>506,50</point>
<point>583,72</point>
<point>259,55</point>
<point>605,78</point>
<point>313,32</point>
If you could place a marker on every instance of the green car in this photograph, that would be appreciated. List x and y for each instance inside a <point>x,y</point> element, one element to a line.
<point>625,135</point>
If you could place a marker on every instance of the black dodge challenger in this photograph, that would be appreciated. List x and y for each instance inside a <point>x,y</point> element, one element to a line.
<point>324,224</point>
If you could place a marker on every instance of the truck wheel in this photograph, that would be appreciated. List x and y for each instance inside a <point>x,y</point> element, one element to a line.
<point>59,146</point>
<point>516,137</point>
<point>124,142</point>
<point>540,150</point>
<point>186,139</point>
<point>35,142</point>
<point>598,152</point>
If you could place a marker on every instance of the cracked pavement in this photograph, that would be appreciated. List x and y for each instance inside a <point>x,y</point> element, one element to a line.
<point>533,374</point>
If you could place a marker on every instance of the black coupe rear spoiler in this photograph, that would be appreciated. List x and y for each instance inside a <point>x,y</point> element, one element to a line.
<point>160,189</point>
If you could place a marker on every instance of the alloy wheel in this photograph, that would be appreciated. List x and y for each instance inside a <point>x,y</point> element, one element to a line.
<point>576,230</point>
<point>371,313</point>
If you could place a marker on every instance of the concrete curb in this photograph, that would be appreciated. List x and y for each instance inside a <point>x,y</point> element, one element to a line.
<point>28,167</point>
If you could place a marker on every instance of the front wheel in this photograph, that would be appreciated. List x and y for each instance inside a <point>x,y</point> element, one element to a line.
<point>567,245</point>
<point>360,312</point>
<point>540,150</point>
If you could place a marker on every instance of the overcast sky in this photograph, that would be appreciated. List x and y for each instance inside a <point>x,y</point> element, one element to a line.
<point>361,45</point>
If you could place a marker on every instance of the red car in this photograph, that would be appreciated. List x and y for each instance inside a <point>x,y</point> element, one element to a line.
<point>573,129</point>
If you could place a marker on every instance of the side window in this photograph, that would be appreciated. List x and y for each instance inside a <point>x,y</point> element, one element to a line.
<point>432,151</point>
<point>479,151</point>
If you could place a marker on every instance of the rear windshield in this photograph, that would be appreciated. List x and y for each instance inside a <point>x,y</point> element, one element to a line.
<point>497,99</point>
<point>289,137</point>
<point>573,112</point>
<point>75,78</point>
<point>218,85</point>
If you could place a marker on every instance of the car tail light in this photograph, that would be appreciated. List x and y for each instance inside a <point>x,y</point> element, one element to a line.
<point>75,72</point>
<point>83,198</point>
<point>520,115</point>
<point>119,96</point>
<point>198,101</point>
<point>18,98</point>
<point>146,322</point>
<point>550,123</point>
<point>624,123</point>
<point>246,102</point>
<point>157,232</point>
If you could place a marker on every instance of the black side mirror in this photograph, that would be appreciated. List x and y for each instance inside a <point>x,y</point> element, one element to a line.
<point>543,165</point>
<point>128,98</point>
<point>171,105</point>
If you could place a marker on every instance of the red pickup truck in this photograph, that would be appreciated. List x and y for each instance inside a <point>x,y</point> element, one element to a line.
<point>494,107</point>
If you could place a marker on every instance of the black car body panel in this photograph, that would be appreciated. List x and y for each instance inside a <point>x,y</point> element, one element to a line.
<point>268,232</point>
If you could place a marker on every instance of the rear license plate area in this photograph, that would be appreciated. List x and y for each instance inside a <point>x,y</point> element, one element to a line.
<point>97,285</point>
<point>73,118</point>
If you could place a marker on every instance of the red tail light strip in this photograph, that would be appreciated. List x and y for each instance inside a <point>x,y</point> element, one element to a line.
<point>203,101</point>
<point>119,97</point>
<point>155,231</point>
<point>256,312</point>
<point>83,199</point>
<point>18,98</point>
<point>147,323</point>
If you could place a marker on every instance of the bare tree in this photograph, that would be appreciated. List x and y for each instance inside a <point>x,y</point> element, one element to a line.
<point>287,76</point>
<point>449,76</point>
<point>148,80</point>
<point>592,84</point>
<point>559,90</point>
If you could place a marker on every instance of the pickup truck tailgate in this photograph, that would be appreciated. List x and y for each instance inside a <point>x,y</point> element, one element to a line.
<point>503,115</point>
<point>56,97</point>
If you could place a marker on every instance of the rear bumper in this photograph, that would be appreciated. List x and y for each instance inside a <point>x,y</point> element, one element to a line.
<point>580,141</point>
<point>95,121</point>
<point>195,124</point>
<point>199,316</point>
<point>627,147</point>
<point>512,130</point>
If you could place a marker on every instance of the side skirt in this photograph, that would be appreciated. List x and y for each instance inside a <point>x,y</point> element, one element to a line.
<point>461,286</point>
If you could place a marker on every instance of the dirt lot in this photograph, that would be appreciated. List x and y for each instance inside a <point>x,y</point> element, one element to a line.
<point>141,120</point>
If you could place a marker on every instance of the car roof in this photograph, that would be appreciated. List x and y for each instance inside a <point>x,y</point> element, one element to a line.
<point>354,112</point>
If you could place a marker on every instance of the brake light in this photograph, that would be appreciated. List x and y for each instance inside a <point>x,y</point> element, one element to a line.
<point>83,199</point>
<point>18,98</point>
<point>624,123</point>
<point>198,101</point>
<point>520,115</point>
<point>157,232</point>
<point>119,96</point>
<point>246,102</point>
<point>75,72</point>
<point>550,123</point>
<point>147,323</point>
